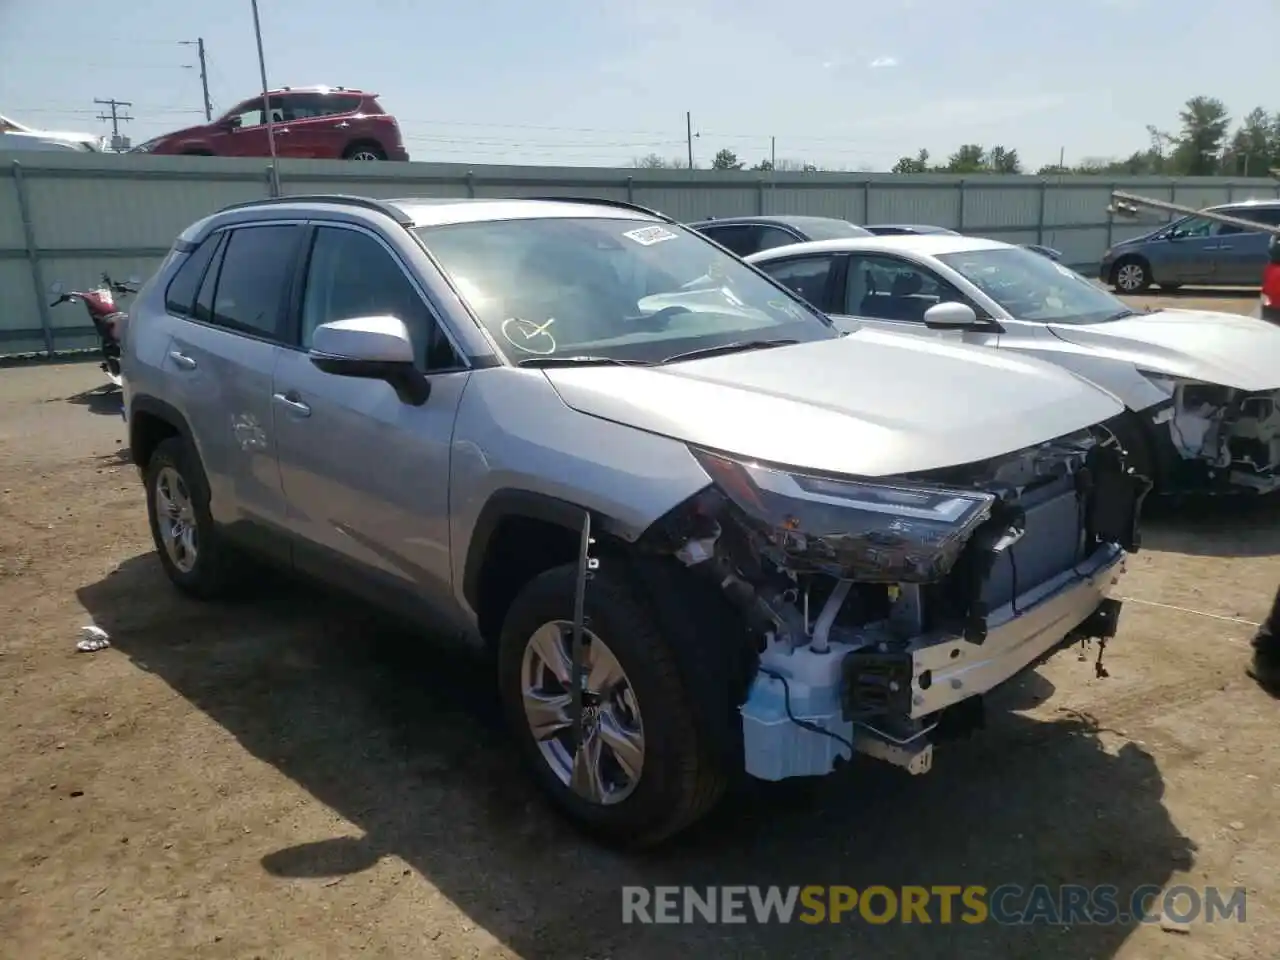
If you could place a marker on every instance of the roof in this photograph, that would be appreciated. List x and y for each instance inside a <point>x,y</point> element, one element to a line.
<point>927,244</point>
<point>799,221</point>
<point>321,88</point>
<point>922,228</point>
<point>1251,202</point>
<point>437,211</point>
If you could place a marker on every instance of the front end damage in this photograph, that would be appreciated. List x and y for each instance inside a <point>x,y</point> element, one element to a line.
<point>879,612</point>
<point>1215,439</point>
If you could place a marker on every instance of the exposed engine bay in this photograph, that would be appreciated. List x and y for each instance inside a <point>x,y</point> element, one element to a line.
<point>1232,438</point>
<point>879,611</point>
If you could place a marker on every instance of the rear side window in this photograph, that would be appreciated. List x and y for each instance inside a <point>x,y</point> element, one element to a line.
<point>742,239</point>
<point>771,237</point>
<point>304,106</point>
<point>256,271</point>
<point>180,296</point>
<point>809,277</point>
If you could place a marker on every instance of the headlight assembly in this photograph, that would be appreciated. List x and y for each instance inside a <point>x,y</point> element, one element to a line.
<point>874,530</point>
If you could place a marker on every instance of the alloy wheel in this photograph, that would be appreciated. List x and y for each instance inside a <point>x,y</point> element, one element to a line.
<point>176,516</point>
<point>605,767</point>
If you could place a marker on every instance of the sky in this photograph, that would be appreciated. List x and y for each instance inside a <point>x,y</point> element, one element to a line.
<point>845,84</point>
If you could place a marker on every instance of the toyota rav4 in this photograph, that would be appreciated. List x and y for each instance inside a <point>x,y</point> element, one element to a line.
<point>701,531</point>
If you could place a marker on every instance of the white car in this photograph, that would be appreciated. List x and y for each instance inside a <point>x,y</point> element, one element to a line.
<point>18,136</point>
<point>1202,389</point>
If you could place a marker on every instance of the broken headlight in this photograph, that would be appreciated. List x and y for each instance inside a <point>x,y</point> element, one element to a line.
<point>889,531</point>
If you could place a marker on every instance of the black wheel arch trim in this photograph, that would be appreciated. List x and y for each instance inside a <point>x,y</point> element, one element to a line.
<point>152,406</point>
<point>512,502</point>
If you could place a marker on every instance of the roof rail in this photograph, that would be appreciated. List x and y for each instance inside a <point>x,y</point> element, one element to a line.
<point>622,204</point>
<point>368,203</point>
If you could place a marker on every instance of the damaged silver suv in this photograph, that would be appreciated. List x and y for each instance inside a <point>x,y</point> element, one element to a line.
<point>703,532</point>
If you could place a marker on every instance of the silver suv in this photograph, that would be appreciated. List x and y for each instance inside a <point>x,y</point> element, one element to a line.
<point>702,531</point>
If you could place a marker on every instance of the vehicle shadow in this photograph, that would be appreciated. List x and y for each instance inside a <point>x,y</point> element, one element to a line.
<point>1246,526</point>
<point>404,739</point>
<point>104,400</point>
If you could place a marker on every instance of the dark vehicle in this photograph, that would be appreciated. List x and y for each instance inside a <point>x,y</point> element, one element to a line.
<point>107,320</point>
<point>747,235</point>
<point>1195,250</point>
<point>317,123</point>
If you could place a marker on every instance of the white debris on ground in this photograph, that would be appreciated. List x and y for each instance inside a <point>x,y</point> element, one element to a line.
<point>93,638</point>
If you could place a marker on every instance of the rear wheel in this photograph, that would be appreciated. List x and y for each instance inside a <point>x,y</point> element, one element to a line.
<point>643,770</point>
<point>364,151</point>
<point>193,555</point>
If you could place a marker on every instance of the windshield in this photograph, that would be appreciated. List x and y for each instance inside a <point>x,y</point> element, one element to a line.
<point>616,289</point>
<point>1033,287</point>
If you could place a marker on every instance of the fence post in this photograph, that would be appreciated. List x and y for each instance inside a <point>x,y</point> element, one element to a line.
<point>1111,219</point>
<point>960,215</point>
<point>631,184</point>
<point>471,184</point>
<point>866,201</point>
<point>1044,194</point>
<point>33,257</point>
<point>760,198</point>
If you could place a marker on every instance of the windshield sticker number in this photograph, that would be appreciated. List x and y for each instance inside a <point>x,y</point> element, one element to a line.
<point>648,236</point>
<point>529,337</point>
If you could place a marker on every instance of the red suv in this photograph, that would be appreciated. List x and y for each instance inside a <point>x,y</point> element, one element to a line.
<point>318,123</point>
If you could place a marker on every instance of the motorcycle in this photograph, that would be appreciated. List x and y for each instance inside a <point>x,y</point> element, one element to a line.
<point>107,320</point>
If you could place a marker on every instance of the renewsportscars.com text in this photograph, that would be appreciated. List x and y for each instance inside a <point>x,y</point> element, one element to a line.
<point>1007,904</point>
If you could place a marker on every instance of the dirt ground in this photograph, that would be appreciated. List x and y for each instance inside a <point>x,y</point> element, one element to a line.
<point>291,778</point>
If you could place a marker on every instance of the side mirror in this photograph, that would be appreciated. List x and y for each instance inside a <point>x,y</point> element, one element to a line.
<point>952,316</point>
<point>57,288</point>
<point>371,348</point>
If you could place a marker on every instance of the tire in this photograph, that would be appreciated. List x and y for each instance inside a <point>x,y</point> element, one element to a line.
<point>1131,275</point>
<point>680,777</point>
<point>174,474</point>
<point>364,151</point>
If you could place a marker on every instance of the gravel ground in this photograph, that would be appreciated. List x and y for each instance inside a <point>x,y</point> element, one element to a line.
<point>291,777</point>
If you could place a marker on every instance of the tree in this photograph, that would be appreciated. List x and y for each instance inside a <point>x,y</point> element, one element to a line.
<point>726,160</point>
<point>1204,128</point>
<point>650,161</point>
<point>1253,146</point>
<point>970,158</point>
<point>917,164</point>
<point>1001,160</point>
<point>764,165</point>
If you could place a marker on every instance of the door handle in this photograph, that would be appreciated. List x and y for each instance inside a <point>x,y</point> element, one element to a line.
<point>341,126</point>
<point>294,405</point>
<point>280,130</point>
<point>182,360</point>
<point>1223,246</point>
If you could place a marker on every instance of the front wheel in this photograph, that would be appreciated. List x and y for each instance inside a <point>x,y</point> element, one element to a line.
<point>1131,276</point>
<point>642,770</point>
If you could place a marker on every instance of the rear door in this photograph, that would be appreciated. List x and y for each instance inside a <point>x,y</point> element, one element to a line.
<point>221,360</point>
<point>319,123</point>
<point>366,476</point>
<point>815,278</point>
<point>1242,254</point>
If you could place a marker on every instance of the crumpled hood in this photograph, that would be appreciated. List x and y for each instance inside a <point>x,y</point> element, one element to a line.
<point>871,403</point>
<point>1222,348</point>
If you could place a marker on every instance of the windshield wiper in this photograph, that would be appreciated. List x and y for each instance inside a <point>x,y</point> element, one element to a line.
<point>579,360</point>
<point>1121,314</point>
<point>737,346</point>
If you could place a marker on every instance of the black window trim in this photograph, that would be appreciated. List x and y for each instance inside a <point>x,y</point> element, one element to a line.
<point>298,291</point>
<point>982,314</point>
<point>189,313</point>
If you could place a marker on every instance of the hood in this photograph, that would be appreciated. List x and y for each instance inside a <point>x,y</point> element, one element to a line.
<point>53,137</point>
<point>871,403</point>
<point>1222,348</point>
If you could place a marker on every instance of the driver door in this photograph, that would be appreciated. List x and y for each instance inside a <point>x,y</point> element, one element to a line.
<point>888,292</point>
<point>1189,252</point>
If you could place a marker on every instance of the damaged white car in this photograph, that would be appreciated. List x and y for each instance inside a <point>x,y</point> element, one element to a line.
<point>1202,389</point>
<point>702,531</point>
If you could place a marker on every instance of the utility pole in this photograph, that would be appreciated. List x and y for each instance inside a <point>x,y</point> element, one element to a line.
<point>688,132</point>
<point>266,104</point>
<point>204,74</point>
<point>117,142</point>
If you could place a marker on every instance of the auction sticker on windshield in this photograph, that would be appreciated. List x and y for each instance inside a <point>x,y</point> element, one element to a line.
<point>648,236</point>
